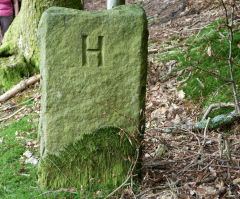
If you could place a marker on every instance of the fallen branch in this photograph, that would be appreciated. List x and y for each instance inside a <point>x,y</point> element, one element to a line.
<point>8,117</point>
<point>19,87</point>
<point>152,51</point>
<point>217,105</point>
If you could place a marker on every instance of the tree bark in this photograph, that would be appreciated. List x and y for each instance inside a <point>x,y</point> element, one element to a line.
<point>21,36</point>
<point>20,41</point>
<point>113,3</point>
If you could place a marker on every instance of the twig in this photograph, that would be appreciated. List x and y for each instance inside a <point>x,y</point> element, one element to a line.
<point>184,80</point>
<point>200,82</point>
<point>152,51</point>
<point>56,191</point>
<point>60,170</point>
<point>131,169</point>
<point>220,145</point>
<point>158,187</point>
<point>192,165</point>
<point>199,143</point>
<point>8,117</point>
<point>207,165</point>
<point>218,89</point>
<point>214,74</point>
<point>17,105</point>
<point>205,132</point>
<point>216,105</point>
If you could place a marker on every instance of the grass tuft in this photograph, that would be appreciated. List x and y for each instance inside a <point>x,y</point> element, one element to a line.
<point>207,53</point>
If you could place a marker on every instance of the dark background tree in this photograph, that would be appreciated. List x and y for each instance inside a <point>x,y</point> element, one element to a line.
<point>19,52</point>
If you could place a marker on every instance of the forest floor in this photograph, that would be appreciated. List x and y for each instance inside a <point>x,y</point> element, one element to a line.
<point>183,163</point>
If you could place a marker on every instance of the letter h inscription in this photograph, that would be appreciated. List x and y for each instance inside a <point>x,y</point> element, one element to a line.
<point>92,51</point>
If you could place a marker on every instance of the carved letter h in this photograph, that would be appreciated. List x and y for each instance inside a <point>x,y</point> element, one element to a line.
<point>92,51</point>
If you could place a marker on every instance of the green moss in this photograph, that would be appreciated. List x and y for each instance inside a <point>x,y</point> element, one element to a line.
<point>12,70</point>
<point>8,49</point>
<point>195,55</point>
<point>101,159</point>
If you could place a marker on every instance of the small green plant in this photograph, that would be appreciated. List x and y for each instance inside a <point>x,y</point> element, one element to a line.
<point>205,59</point>
<point>150,21</point>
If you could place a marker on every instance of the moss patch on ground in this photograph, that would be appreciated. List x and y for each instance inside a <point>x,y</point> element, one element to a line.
<point>203,55</point>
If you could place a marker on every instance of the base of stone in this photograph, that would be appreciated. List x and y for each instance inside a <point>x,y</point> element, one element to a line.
<point>102,158</point>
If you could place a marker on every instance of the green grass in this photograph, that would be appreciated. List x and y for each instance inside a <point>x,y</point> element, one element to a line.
<point>14,182</point>
<point>194,56</point>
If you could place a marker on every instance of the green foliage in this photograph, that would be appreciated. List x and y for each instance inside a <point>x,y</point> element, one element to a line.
<point>202,86</point>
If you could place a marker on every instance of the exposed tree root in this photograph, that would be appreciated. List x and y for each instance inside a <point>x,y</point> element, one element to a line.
<point>216,122</point>
<point>19,87</point>
<point>214,106</point>
<point>8,49</point>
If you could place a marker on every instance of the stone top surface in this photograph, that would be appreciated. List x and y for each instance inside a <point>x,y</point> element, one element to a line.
<point>93,72</point>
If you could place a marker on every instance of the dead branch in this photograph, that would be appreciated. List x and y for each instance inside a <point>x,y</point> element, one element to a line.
<point>214,74</point>
<point>220,145</point>
<point>25,102</point>
<point>152,51</point>
<point>205,132</point>
<point>139,196</point>
<point>19,87</point>
<point>214,106</point>
<point>8,117</point>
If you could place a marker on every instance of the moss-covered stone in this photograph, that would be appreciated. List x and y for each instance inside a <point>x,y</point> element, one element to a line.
<point>100,158</point>
<point>93,74</point>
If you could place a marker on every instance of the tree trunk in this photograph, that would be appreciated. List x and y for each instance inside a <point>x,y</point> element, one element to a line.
<point>19,47</point>
<point>113,3</point>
